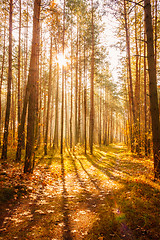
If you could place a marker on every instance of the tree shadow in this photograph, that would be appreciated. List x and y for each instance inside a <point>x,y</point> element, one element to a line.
<point>136,205</point>
<point>134,215</point>
<point>85,196</point>
<point>66,228</point>
<point>89,175</point>
<point>103,169</point>
<point>32,218</point>
<point>47,159</point>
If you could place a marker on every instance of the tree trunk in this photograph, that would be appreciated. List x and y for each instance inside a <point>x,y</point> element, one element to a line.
<point>152,88</point>
<point>55,141</point>
<point>33,74</point>
<point>92,85</point>
<point>5,137</point>
<point>2,72</point>
<point>63,79</point>
<point>79,92</point>
<point>85,101</point>
<point>131,99</point>
<point>19,65</point>
<point>49,99</point>
<point>76,89</point>
<point>145,97</point>
<point>137,89</point>
<point>71,116</point>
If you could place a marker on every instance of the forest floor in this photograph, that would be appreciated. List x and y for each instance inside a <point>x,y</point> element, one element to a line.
<point>110,195</point>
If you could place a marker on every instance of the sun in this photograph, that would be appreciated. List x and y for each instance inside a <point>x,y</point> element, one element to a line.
<point>61,59</point>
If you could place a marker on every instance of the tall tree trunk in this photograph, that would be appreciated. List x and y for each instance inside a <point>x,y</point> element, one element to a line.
<point>79,91</point>
<point>145,97</point>
<point>1,81</point>
<point>66,111</point>
<point>139,105</point>
<point>76,88</point>
<point>56,129</point>
<point>85,101</point>
<point>137,88</point>
<point>39,134</point>
<point>55,141</point>
<point>25,89</point>
<point>129,78</point>
<point>152,88</point>
<point>6,128</point>
<point>19,66</point>
<point>92,85</point>
<point>71,116</point>
<point>131,99</point>
<point>13,115</point>
<point>33,73</point>
<point>49,99</point>
<point>63,79</point>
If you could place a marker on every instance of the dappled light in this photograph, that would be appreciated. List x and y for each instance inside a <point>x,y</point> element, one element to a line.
<point>85,197</point>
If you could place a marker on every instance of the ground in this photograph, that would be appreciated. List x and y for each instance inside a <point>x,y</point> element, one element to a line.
<point>110,195</point>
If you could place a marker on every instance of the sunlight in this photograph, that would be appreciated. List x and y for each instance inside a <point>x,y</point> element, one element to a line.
<point>61,59</point>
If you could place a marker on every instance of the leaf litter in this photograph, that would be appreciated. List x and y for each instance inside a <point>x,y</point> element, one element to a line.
<point>85,200</point>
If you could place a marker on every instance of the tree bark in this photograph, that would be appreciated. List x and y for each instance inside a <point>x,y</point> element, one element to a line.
<point>76,88</point>
<point>2,72</point>
<point>19,65</point>
<point>63,79</point>
<point>6,128</point>
<point>85,101</point>
<point>71,116</point>
<point>145,97</point>
<point>49,99</point>
<point>92,85</point>
<point>152,88</point>
<point>131,98</point>
<point>33,74</point>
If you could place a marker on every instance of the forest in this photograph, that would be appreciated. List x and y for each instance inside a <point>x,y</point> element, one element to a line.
<point>80,119</point>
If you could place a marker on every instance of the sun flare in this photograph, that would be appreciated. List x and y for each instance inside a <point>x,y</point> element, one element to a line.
<point>61,59</point>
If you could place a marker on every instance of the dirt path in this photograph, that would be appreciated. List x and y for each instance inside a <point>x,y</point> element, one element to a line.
<point>75,197</point>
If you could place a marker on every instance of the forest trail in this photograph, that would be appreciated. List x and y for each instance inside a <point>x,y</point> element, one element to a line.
<point>110,195</point>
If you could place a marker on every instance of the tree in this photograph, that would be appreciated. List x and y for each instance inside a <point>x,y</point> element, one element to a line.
<point>152,88</point>
<point>92,84</point>
<point>2,73</point>
<point>63,79</point>
<point>33,74</point>
<point>49,98</point>
<point>19,65</point>
<point>5,137</point>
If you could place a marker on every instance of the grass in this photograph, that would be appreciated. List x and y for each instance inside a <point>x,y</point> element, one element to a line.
<point>110,195</point>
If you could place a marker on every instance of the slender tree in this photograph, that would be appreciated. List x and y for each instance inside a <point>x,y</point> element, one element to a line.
<point>49,98</point>
<point>2,73</point>
<point>19,66</point>
<point>6,128</point>
<point>85,100</point>
<point>63,79</point>
<point>71,115</point>
<point>92,83</point>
